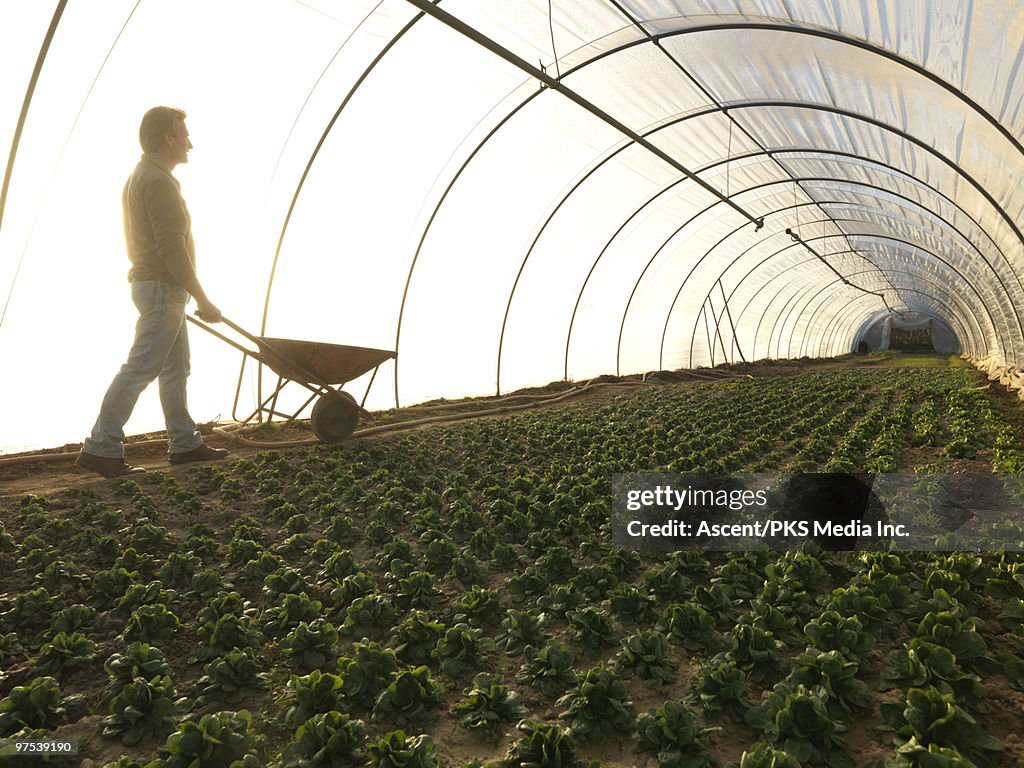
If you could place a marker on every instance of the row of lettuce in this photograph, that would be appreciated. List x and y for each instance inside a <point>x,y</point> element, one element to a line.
<point>353,597</point>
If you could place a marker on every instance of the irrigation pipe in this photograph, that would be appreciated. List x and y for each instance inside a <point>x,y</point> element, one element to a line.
<point>228,431</point>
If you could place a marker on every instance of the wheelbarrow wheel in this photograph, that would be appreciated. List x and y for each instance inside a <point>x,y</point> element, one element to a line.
<point>334,417</point>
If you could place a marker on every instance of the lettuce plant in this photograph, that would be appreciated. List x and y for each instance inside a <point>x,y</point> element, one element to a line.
<point>396,750</point>
<point>550,671</point>
<point>722,687</point>
<point>674,733</point>
<point>314,694</point>
<point>479,607</point>
<point>231,677</point>
<point>598,701</point>
<point>65,651</point>
<point>542,744</point>
<point>309,646</point>
<point>328,740</point>
<point>227,632</point>
<point>521,633</point>
<point>801,725</point>
<point>592,627</point>
<point>488,704</point>
<point>294,610</point>
<point>151,624</point>
<point>38,705</point>
<point>369,616</point>
<point>689,625</point>
<point>929,716</point>
<point>462,648</point>
<point>366,673</point>
<point>220,740</point>
<point>142,710</point>
<point>138,660</point>
<point>648,655</point>
<point>407,696</point>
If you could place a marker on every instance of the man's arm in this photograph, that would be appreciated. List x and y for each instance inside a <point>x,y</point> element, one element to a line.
<point>170,227</point>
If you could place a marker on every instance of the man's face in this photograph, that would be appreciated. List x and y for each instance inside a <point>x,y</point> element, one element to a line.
<point>178,143</point>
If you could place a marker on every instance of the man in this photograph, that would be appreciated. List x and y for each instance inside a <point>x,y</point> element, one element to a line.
<point>158,233</point>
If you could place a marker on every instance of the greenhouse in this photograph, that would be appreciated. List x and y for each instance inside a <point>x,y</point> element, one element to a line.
<point>546,247</point>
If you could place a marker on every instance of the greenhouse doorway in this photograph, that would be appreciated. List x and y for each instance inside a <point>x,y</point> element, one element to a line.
<point>907,331</point>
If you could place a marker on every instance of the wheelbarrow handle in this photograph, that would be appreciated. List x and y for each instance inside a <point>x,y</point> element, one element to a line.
<point>234,327</point>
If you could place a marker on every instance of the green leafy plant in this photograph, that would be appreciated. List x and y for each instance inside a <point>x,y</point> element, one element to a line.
<point>462,648</point>
<point>831,672</point>
<point>674,733</point>
<point>488,704</point>
<point>151,624</point>
<point>65,651</point>
<point>314,694</point>
<point>138,660</point>
<point>931,716</point>
<point>596,702</point>
<point>764,755</point>
<point>328,740</point>
<point>366,673</point>
<point>396,750</point>
<point>294,610</point>
<point>550,671</point>
<point>141,711</point>
<point>648,655</point>
<point>479,607</point>
<point>227,632</point>
<point>542,745</point>
<point>592,628</point>
<point>689,625</point>
<point>831,631</point>
<point>219,740</point>
<point>521,633</point>
<point>722,687</point>
<point>309,646</point>
<point>229,678</point>
<point>407,696</point>
<point>800,723</point>
<point>416,637</point>
<point>369,616</point>
<point>38,705</point>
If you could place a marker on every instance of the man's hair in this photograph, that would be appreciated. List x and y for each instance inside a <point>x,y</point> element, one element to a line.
<point>156,124</point>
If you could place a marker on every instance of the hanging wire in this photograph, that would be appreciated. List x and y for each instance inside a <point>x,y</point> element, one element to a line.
<point>728,163</point>
<point>554,53</point>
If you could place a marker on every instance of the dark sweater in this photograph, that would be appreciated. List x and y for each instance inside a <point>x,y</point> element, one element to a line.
<point>157,226</point>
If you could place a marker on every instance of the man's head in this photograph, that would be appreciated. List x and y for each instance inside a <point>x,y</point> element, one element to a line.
<point>163,133</point>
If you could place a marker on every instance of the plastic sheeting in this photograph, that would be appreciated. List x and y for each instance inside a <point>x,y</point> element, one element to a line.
<point>373,176</point>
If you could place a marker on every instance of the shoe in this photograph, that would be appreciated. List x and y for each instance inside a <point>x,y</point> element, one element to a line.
<point>202,453</point>
<point>107,466</point>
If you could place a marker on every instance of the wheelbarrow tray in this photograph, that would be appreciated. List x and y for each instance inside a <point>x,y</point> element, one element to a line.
<point>331,363</point>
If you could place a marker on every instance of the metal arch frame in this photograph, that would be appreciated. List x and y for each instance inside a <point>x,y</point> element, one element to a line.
<point>995,326</point>
<point>705,28</point>
<point>934,255</point>
<point>826,179</point>
<point>839,325</point>
<point>804,341</point>
<point>968,177</point>
<point>789,28</point>
<point>764,285</point>
<point>44,50</point>
<point>976,336</point>
<point>757,331</point>
<point>980,326</point>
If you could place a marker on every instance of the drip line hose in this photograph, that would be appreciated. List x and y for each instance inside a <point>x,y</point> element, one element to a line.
<point>533,401</point>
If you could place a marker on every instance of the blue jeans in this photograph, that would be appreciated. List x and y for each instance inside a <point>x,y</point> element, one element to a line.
<point>160,350</point>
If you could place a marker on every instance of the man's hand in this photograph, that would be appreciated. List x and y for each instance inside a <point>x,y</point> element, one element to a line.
<point>207,312</point>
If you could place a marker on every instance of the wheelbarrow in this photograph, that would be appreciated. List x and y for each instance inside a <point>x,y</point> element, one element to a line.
<point>318,367</point>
